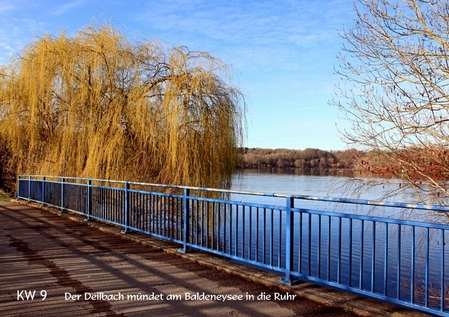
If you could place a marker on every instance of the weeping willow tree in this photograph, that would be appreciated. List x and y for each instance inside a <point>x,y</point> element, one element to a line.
<point>98,105</point>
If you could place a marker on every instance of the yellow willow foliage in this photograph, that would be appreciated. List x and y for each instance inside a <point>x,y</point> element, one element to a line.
<point>97,105</point>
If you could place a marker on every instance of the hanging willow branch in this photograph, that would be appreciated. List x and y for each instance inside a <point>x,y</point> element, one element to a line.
<point>97,105</point>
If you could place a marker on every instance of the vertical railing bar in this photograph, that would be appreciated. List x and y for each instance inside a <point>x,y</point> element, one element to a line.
<point>146,217</point>
<point>62,195</point>
<point>143,216</point>
<point>350,252</point>
<point>288,240</point>
<point>132,207</point>
<point>318,251</point>
<point>250,238</point>
<point>175,219</point>
<point>206,220</point>
<point>233,228</point>
<point>165,212</point>
<point>126,207</point>
<point>264,236</point>
<point>198,222</point>
<point>155,216</point>
<point>160,213</point>
<point>236,242</point>
<point>373,257</point>
<point>442,260</point>
<point>134,204</point>
<point>43,190</point>
<point>340,223</point>
<point>201,216</point>
<point>29,187</point>
<point>243,230</point>
<point>151,214</point>
<point>17,195</point>
<point>300,235</point>
<point>107,206</point>
<point>280,240</point>
<point>105,201</point>
<point>272,237</point>
<point>427,267</point>
<point>157,210</point>
<point>227,228</point>
<point>165,204</point>
<point>136,212</point>
<point>185,204</point>
<point>89,199</point>
<point>194,221</point>
<point>112,204</point>
<point>160,207</point>
<point>257,234</point>
<point>215,227</point>
<point>412,271</point>
<point>168,232</point>
<point>361,264</point>
<point>329,236</point>
<point>101,190</point>
<point>398,264</point>
<point>111,207</point>
<point>218,222</point>
<point>142,211</point>
<point>386,257</point>
<point>227,232</point>
<point>309,233</point>
<point>207,225</point>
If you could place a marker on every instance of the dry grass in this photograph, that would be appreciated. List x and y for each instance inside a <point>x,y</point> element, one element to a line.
<point>4,196</point>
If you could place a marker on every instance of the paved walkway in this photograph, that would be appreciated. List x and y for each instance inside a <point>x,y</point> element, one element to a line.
<point>51,265</point>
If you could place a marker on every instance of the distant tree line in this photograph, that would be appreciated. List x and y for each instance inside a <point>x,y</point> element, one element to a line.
<point>306,159</point>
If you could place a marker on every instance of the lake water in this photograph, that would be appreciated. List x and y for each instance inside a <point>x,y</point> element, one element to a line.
<point>325,185</point>
<point>339,185</point>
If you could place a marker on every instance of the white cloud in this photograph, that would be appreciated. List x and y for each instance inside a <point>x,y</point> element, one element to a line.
<point>273,33</point>
<point>5,7</point>
<point>62,9</point>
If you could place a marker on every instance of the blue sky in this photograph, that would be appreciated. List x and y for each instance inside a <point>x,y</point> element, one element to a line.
<point>282,52</point>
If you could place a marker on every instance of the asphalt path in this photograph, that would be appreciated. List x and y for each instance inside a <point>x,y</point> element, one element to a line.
<point>53,266</point>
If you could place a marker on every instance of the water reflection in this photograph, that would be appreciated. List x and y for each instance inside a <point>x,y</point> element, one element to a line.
<point>380,256</point>
<point>344,184</point>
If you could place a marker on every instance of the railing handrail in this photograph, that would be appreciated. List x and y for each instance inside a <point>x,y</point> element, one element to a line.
<point>368,202</point>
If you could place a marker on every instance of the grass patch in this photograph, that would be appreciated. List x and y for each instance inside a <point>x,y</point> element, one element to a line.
<point>4,197</point>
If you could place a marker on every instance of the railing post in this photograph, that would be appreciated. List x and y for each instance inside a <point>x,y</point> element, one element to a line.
<point>185,204</point>
<point>29,187</point>
<point>43,190</point>
<point>289,222</point>
<point>18,187</point>
<point>62,195</point>
<point>89,199</point>
<point>126,225</point>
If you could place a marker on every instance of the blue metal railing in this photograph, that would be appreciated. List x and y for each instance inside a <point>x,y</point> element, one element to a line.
<point>392,260</point>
